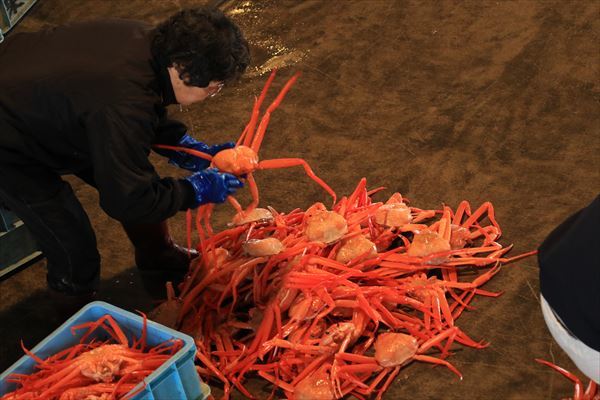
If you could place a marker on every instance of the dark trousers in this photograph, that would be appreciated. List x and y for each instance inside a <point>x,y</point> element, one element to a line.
<point>56,219</point>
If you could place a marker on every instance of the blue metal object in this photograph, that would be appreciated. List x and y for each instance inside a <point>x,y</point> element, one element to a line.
<point>8,220</point>
<point>175,379</point>
<point>11,12</point>
<point>17,246</point>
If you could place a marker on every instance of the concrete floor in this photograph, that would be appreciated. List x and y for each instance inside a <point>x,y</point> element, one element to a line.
<point>441,101</point>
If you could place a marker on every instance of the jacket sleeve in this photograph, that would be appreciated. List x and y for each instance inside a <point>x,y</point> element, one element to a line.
<point>168,131</point>
<point>130,190</point>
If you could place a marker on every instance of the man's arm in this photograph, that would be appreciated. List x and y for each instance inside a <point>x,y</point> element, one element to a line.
<point>120,140</point>
<point>173,133</point>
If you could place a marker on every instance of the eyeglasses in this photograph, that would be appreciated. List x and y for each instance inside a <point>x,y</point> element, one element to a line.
<point>213,90</point>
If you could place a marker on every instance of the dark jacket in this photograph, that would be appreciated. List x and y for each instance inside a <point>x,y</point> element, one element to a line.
<point>569,262</point>
<point>90,95</point>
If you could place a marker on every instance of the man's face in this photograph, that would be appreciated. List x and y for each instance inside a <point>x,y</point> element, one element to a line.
<point>187,95</point>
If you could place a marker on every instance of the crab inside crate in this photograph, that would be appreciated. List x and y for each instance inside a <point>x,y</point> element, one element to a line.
<point>176,379</point>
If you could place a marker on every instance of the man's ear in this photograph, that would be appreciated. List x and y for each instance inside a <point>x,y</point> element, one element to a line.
<point>176,81</point>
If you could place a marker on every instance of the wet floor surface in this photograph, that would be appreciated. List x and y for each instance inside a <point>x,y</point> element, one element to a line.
<point>441,101</point>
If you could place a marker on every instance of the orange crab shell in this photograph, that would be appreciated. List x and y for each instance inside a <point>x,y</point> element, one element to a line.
<point>237,161</point>
<point>315,386</point>
<point>459,237</point>
<point>426,243</point>
<point>354,247</point>
<point>263,247</point>
<point>393,349</point>
<point>393,215</point>
<point>325,226</point>
<point>260,215</point>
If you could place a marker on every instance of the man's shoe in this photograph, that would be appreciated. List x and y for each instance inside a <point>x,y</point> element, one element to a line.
<point>70,289</point>
<point>172,258</point>
<point>155,250</point>
<point>170,265</point>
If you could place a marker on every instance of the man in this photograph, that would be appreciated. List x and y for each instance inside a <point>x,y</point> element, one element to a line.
<point>569,262</point>
<point>89,99</point>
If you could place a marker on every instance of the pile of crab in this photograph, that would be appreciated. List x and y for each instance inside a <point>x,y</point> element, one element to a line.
<point>328,303</point>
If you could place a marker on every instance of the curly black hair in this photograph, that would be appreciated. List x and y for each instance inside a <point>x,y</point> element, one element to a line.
<point>203,45</point>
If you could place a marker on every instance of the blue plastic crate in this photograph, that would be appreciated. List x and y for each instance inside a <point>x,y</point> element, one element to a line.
<point>176,379</point>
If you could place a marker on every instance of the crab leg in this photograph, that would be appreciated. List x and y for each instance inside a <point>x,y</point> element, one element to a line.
<point>463,208</point>
<point>253,191</point>
<point>294,162</point>
<point>248,134</point>
<point>487,206</point>
<point>578,385</point>
<point>262,127</point>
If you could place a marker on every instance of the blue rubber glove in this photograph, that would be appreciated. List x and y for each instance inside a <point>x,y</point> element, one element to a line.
<point>212,186</point>
<point>193,163</point>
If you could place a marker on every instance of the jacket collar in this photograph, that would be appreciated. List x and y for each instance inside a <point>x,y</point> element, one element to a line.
<point>165,88</point>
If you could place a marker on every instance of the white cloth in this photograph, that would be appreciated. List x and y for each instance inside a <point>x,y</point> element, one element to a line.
<point>586,358</point>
